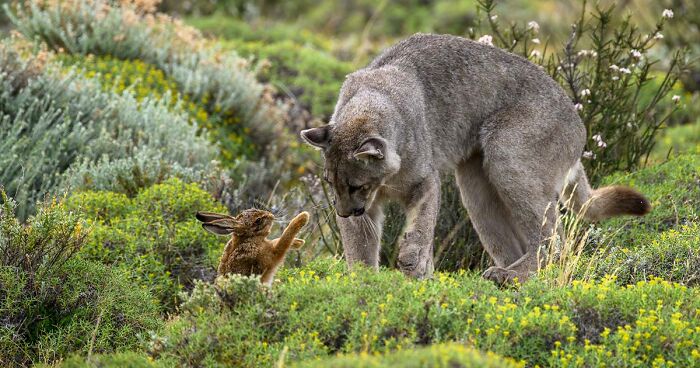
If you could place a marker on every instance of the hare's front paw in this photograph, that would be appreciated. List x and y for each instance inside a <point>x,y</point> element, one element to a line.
<point>298,243</point>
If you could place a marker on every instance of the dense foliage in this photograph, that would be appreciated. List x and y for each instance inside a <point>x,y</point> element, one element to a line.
<point>118,122</point>
<point>53,303</point>
<point>154,237</point>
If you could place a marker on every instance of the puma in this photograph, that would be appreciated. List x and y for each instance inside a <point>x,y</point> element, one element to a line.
<point>435,103</point>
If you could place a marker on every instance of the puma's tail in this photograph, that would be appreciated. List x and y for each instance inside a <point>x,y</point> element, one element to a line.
<point>602,203</point>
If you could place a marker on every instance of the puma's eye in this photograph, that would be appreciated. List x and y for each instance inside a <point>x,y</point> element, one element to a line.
<point>365,187</point>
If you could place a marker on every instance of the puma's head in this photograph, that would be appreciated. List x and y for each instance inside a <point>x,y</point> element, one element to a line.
<point>358,161</point>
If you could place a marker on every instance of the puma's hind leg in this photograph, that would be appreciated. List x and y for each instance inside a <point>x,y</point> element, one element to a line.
<point>488,214</point>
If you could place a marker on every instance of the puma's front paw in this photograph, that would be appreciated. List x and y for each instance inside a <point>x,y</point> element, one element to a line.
<point>501,276</point>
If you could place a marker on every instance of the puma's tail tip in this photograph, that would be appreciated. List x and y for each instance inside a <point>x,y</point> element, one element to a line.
<point>631,202</point>
<point>618,200</point>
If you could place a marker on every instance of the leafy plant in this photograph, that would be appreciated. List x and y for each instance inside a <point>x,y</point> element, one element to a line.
<point>154,237</point>
<point>606,81</point>
<point>52,303</point>
<point>323,309</point>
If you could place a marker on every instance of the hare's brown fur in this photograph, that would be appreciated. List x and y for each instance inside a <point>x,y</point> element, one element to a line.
<point>249,252</point>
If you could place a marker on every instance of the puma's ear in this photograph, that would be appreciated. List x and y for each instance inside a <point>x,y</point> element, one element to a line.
<point>371,148</point>
<point>318,137</point>
<point>219,227</point>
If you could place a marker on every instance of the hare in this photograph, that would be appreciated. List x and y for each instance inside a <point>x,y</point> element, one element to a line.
<point>249,252</point>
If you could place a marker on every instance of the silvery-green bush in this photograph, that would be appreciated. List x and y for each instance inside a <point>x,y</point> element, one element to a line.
<point>219,80</point>
<point>62,131</point>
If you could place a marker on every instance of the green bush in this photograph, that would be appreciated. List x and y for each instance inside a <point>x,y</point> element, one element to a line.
<point>312,76</point>
<point>323,309</point>
<point>229,28</point>
<point>142,79</point>
<point>116,360</point>
<point>448,355</point>
<point>52,303</point>
<point>606,68</point>
<point>236,103</point>
<point>154,236</point>
<point>61,131</point>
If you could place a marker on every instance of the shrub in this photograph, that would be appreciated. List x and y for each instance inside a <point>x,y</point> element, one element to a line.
<point>236,104</point>
<point>141,79</point>
<point>53,304</point>
<point>234,29</point>
<point>323,309</point>
<point>605,82</point>
<point>439,356</point>
<point>116,360</point>
<point>310,75</point>
<point>154,237</point>
<point>62,131</point>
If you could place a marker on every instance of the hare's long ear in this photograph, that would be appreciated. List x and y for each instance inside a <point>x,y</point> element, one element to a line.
<point>219,227</point>
<point>210,216</point>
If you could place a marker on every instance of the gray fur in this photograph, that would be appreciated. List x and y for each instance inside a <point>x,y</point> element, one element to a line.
<point>436,103</point>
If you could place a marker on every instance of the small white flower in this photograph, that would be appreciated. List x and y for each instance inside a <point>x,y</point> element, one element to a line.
<point>676,98</point>
<point>667,13</point>
<point>494,17</point>
<point>534,26</point>
<point>536,41</point>
<point>615,77</point>
<point>586,92</point>
<point>486,40</point>
<point>535,54</point>
<point>599,141</point>
<point>589,155</point>
<point>615,67</point>
<point>658,36</point>
<point>578,107</point>
<point>625,71</point>
<point>635,53</point>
